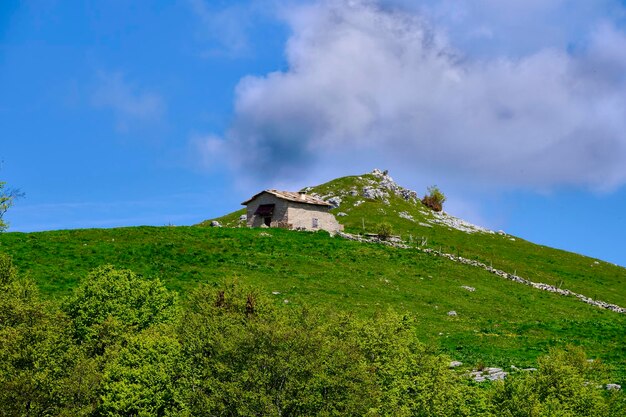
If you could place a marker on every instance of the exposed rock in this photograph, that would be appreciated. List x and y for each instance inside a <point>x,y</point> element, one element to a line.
<point>387,183</point>
<point>372,193</point>
<point>358,203</point>
<point>452,313</point>
<point>470,289</point>
<point>215,223</point>
<point>354,192</point>
<point>458,224</point>
<point>615,387</point>
<point>335,201</point>
<point>341,214</point>
<point>243,218</point>
<point>406,215</point>
<point>408,194</point>
<point>454,364</point>
<point>496,376</point>
<point>488,374</point>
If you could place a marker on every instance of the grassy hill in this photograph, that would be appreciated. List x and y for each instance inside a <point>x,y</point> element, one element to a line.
<point>501,323</point>
<point>412,221</point>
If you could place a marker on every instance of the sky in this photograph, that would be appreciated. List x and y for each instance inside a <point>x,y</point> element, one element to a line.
<point>172,112</point>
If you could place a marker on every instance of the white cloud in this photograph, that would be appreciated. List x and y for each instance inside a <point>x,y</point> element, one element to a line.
<point>517,27</point>
<point>377,86</point>
<point>131,105</point>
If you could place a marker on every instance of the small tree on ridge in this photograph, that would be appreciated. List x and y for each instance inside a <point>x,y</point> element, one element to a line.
<point>434,198</point>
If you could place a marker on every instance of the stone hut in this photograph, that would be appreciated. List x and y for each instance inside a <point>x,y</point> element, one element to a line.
<point>273,208</point>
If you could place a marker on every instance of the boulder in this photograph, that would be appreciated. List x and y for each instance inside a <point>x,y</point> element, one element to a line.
<point>334,201</point>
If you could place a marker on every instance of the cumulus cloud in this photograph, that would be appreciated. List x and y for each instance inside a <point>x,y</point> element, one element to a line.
<point>130,105</point>
<point>382,86</point>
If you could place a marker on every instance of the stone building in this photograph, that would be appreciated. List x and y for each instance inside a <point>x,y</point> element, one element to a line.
<point>273,208</point>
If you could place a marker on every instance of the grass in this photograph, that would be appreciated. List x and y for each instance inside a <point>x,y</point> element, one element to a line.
<point>592,277</point>
<point>500,324</point>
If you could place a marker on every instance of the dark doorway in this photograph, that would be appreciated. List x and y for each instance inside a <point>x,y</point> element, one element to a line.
<point>267,221</point>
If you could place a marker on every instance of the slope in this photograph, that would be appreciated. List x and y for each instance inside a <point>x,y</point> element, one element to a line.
<point>364,202</point>
<point>500,323</point>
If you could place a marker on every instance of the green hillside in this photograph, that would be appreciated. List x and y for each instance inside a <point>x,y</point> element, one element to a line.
<point>595,278</point>
<point>500,323</point>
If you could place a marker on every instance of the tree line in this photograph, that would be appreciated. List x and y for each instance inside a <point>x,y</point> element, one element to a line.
<point>125,345</point>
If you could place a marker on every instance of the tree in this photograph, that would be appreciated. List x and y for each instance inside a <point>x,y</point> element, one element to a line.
<point>7,198</point>
<point>111,301</point>
<point>37,356</point>
<point>434,198</point>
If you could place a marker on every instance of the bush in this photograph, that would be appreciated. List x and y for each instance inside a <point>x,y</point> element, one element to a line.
<point>384,231</point>
<point>566,384</point>
<point>434,199</point>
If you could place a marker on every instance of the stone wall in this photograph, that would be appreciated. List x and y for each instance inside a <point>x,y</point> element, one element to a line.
<point>301,216</point>
<point>280,210</point>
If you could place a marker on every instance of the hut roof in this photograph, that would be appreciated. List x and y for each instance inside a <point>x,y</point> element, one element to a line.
<point>291,196</point>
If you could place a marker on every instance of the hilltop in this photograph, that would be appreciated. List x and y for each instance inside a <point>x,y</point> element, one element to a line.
<point>361,203</point>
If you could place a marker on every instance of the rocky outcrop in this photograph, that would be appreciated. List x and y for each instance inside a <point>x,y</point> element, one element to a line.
<point>488,374</point>
<point>373,193</point>
<point>387,185</point>
<point>456,223</point>
<point>334,201</point>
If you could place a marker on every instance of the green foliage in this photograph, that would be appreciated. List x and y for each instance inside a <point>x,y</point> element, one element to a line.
<point>7,270</point>
<point>230,350</point>
<point>434,198</point>
<point>142,378</point>
<point>267,361</point>
<point>566,384</point>
<point>111,299</point>
<point>384,231</point>
<point>37,355</point>
<point>246,358</point>
<point>7,198</point>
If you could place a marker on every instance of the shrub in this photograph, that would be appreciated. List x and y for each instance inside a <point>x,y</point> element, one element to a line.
<point>384,231</point>
<point>434,199</point>
<point>566,384</point>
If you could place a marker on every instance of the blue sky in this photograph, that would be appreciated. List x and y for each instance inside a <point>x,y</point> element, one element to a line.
<point>130,113</point>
